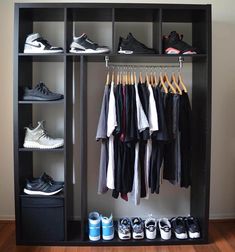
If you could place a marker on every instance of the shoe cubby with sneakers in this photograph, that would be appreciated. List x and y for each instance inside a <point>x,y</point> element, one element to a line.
<point>73,187</point>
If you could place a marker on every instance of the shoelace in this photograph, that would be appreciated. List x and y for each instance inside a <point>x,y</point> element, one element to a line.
<point>41,87</point>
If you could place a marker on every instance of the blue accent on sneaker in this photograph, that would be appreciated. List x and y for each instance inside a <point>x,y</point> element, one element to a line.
<point>107,228</point>
<point>94,226</point>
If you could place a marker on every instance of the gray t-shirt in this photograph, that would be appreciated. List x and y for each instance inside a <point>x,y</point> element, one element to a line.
<point>101,134</point>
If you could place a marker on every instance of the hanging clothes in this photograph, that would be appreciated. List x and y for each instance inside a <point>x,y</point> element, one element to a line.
<point>145,135</point>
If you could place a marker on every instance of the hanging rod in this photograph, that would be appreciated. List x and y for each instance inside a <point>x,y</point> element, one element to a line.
<point>107,64</point>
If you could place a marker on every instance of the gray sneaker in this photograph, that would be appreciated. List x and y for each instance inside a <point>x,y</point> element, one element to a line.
<point>40,93</point>
<point>39,138</point>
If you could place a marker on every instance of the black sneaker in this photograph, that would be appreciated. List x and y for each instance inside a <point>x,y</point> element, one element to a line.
<point>178,227</point>
<point>47,178</point>
<point>34,43</point>
<point>174,44</point>
<point>130,45</point>
<point>83,45</point>
<point>192,225</point>
<point>41,187</point>
<point>40,93</point>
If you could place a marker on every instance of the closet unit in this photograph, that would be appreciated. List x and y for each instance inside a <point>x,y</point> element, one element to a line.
<point>46,220</point>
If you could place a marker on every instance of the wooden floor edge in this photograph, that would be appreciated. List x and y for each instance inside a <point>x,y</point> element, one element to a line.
<point>7,221</point>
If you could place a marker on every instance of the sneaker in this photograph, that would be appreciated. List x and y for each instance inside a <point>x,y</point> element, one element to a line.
<point>174,44</point>
<point>178,227</point>
<point>137,228</point>
<point>107,228</point>
<point>150,228</point>
<point>40,93</point>
<point>47,178</point>
<point>39,138</point>
<point>124,229</point>
<point>83,45</point>
<point>130,45</point>
<point>164,226</point>
<point>34,43</point>
<point>41,187</point>
<point>94,226</point>
<point>192,225</point>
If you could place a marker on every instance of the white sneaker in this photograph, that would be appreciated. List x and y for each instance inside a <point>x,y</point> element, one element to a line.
<point>164,226</point>
<point>39,138</point>
<point>34,43</point>
<point>124,229</point>
<point>151,228</point>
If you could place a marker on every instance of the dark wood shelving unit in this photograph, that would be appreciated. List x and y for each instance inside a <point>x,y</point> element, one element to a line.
<point>25,15</point>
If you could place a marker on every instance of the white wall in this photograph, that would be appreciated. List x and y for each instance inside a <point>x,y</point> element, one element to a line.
<point>223,122</point>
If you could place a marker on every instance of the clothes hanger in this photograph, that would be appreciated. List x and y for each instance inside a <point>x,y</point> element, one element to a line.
<point>147,76</point>
<point>180,82</point>
<point>173,80</point>
<point>140,77</point>
<point>118,78</point>
<point>107,78</point>
<point>113,76</point>
<point>151,79</point>
<point>135,78</point>
<point>165,78</point>
<point>162,83</point>
<point>155,79</point>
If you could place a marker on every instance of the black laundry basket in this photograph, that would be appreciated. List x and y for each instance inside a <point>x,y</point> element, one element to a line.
<point>42,218</point>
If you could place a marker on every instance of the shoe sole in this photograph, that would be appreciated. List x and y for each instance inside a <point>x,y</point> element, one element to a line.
<point>181,236</point>
<point>108,237</point>
<point>165,235</point>
<point>89,51</point>
<point>138,236</point>
<point>43,51</point>
<point>124,236</point>
<point>172,50</point>
<point>195,235</point>
<point>29,192</point>
<point>35,98</point>
<point>94,238</point>
<point>125,52</point>
<point>34,145</point>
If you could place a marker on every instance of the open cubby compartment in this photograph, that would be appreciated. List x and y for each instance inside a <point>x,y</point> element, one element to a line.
<point>95,22</point>
<point>189,23</point>
<point>48,22</point>
<point>143,23</point>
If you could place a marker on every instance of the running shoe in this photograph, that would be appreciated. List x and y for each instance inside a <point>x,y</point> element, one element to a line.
<point>164,226</point>
<point>137,228</point>
<point>150,228</point>
<point>179,228</point>
<point>39,138</point>
<point>40,93</point>
<point>192,225</point>
<point>124,229</point>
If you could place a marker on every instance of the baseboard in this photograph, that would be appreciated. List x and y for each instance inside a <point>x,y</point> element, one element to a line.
<point>7,217</point>
<point>228,216</point>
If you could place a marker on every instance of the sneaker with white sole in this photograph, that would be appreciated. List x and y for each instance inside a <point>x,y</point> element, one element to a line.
<point>34,43</point>
<point>124,229</point>
<point>178,227</point>
<point>38,138</point>
<point>83,45</point>
<point>94,226</point>
<point>42,187</point>
<point>107,228</point>
<point>164,226</point>
<point>137,228</point>
<point>192,225</point>
<point>150,228</point>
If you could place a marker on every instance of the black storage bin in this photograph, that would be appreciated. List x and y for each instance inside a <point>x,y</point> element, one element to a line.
<point>42,218</point>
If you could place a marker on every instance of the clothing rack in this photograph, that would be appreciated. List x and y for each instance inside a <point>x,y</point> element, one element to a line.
<point>179,65</point>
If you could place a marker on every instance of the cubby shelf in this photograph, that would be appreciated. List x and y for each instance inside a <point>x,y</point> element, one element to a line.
<point>154,20</point>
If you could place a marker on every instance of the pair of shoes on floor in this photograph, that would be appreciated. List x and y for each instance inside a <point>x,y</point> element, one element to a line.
<point>184,227</point>
<point>130,45</point>
<point>44,185</point>
<point>39,93</point>
<point>174,44</point>
<point>152,226</point>
<point>39,138</point>
<point>95,221</point>
<point>127,226</point>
